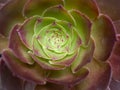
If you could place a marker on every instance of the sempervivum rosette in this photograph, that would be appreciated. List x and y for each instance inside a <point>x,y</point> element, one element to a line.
<point>62,43</point>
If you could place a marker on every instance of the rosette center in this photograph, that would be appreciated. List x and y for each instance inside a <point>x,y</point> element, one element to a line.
<point>56,39</point>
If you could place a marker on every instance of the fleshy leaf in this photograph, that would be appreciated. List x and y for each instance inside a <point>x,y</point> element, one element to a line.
<point>58,12</point>
<point>32,73</point>
<point>75,42</point>
<point>87,7</point>
<point>115,61</point>
<point>73,39</point>
<point>26,31</point>
<point>103,33</point>
<point>66,61</point>
<point>3,43</point>
<point>36,7</point>
<point>82,25</point>
<point>10,14</point>
<point>53,55</point>
<point>18,48</point>
<point>105,8</point>
<point>66,25</point>
<point>6,77</point>
<point>98,78</point>
<point>66,77</point>
<point>42,22</point>
<point>44,63</point>
<point>38,49</point>
<point>84,56</point>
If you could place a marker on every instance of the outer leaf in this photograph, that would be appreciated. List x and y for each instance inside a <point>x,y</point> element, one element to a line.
<point>36,7</point>
<point>103,33</point>
<point>3,43</point>
<point>105,7</point>
<point>18,48</point>
<point>7,80</point>
<point>98,78</point>
<point>10,14</point>
<point>115,61</point>
<point>87,7</point>
<point>84,56</point>
<point>66,77</point>
<point>32,73</point>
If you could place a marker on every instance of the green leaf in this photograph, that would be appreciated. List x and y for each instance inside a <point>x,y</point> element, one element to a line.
<point>36,7</point>
<point>44,63</point>
<point>84,56</point>
<point>26,31</point>
<point>66,61</point>
<point>38,49</point>
<point>58,12</point>
<point>82,26</point>
<point>42,22</point>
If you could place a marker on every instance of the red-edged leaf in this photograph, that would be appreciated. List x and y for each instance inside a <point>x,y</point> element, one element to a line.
<point>98,78</point>
<point>36,7</point>
<point>66,77</point>
<point>26,31</point>
<point>7,80</point>
<point>28,72</point>
<point>18,48</point>
<point>103,33</point>
<point>87,7</point>
<point>115,61</point>
<point>84,56</point>
<point>82,25</point>
<point>58,12</point>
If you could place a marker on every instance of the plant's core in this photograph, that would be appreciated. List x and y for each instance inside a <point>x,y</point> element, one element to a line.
<point>56,39</point>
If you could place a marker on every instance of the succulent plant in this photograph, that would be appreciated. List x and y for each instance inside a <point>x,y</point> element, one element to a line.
<point>60,45</point>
